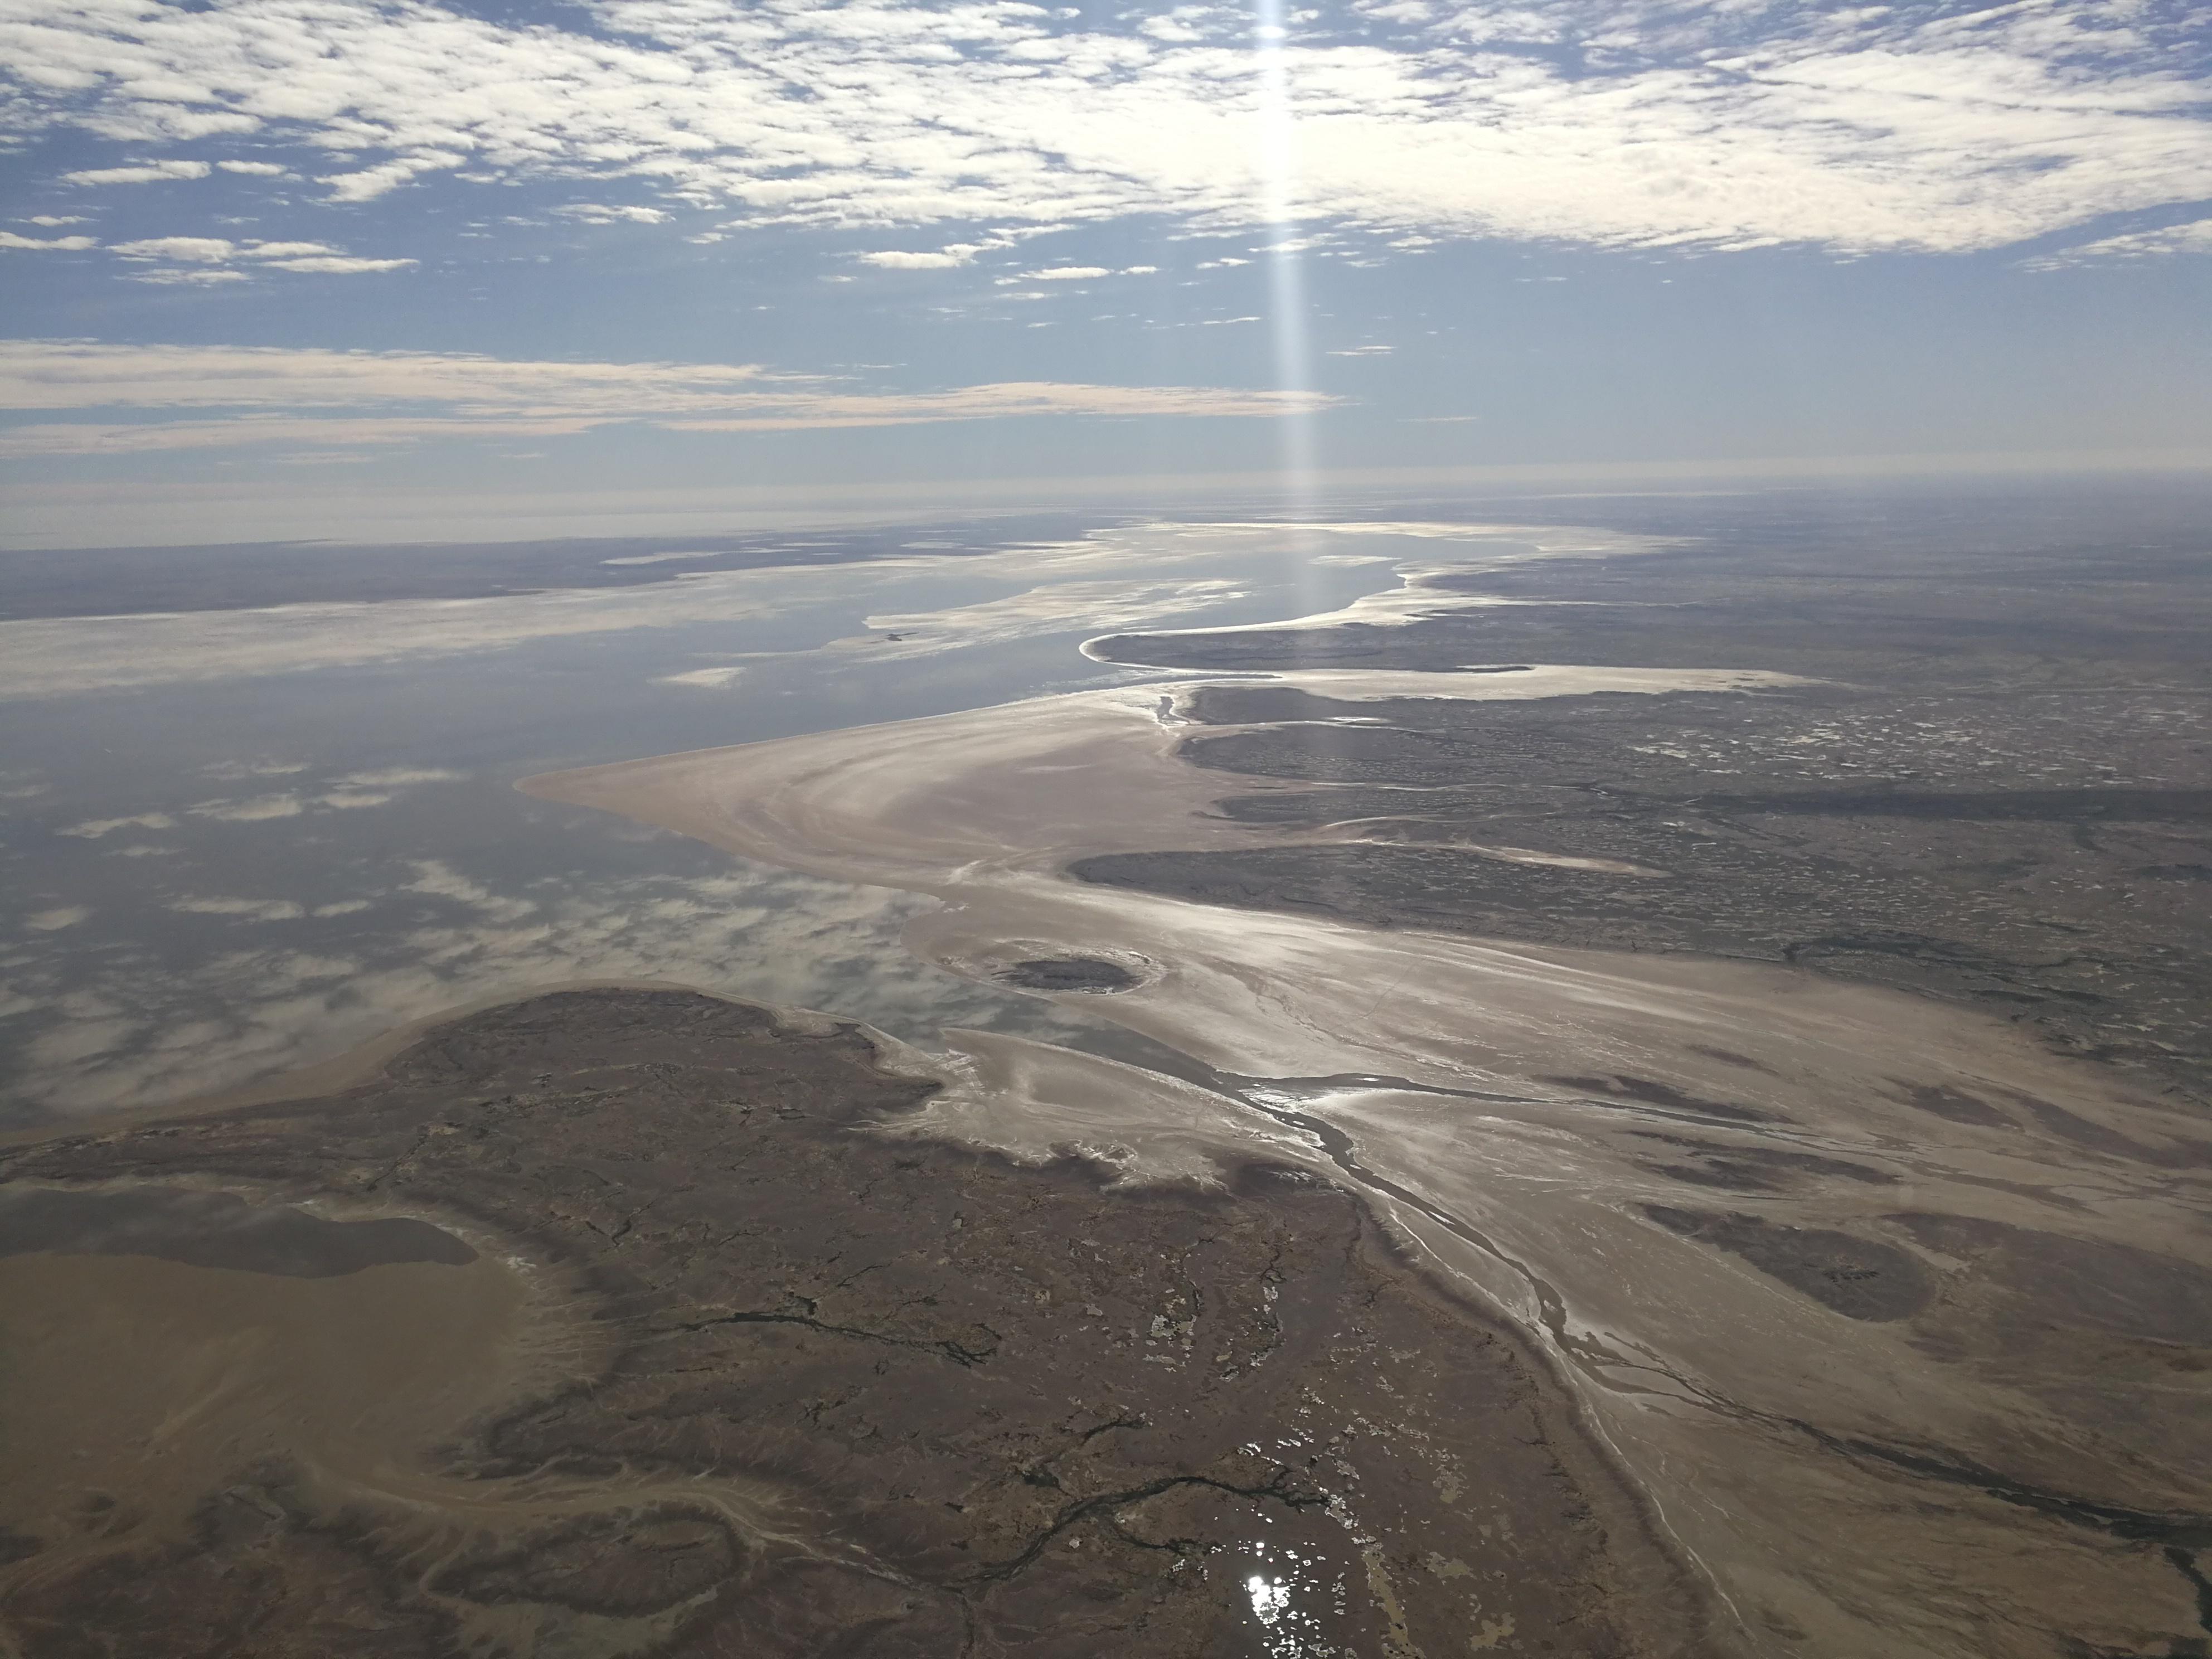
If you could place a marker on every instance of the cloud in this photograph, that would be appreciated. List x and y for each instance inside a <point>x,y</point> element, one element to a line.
<point>338,264</point>
<point>143,172</point>
<point>323,398</point>
<point>255,169</point>
<point>2195,237</point>
<point>174,275</point>
<point>51,220</point>
<point>592,214</point>
<point>185,251</point>
<point>194,250</point>
<point>893,259</point>
<point>1068,274</point>
<point>8,238</point>
<point>1933,127</point>
<point>53,921</point>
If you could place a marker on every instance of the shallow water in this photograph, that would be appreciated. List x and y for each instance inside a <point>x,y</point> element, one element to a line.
<point>243,841</point>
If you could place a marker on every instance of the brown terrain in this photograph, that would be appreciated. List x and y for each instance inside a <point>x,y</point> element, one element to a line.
<point>1688,1138</point>
<point>626,1322</point>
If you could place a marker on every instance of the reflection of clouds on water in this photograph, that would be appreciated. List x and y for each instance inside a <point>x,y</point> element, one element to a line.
<point>50,657</point>
<point>231,882</point>
<point>245,909</point>
<point>1096,606</point>
<point>704,679</point>
<point>249,811</point>
<point>348,792</point>
<point>237,771</point>
<point>398,777</point>
<point>138,1033</point>
<point>93,829</point>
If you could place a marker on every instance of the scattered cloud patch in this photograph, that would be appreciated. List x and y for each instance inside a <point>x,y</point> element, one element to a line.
<point>140,173</point>
<point>8,238</point>
<point>2195,237</point>
<point>1068,274</point>
<point>192,250</point>
<point>53,921</point>
<point>946,258</point>
<point>184,252</point>
<point>593,213</point>
<point>1936,128</point>
<point>176,275</point>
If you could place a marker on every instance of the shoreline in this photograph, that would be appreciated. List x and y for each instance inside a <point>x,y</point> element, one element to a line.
<point>1576,1060</point>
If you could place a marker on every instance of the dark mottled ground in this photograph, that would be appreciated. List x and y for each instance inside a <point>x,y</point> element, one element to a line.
<point>2000,794</point>
<point>847,1391</point>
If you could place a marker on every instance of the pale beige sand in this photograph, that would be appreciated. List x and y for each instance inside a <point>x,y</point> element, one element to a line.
<point>1716,1382</point>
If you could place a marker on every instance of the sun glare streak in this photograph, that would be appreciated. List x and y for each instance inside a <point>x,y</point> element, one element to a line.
<point>1279,186</point>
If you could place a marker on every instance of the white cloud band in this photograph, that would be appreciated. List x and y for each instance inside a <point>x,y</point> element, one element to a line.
<point>268,396</point>
<point>1936,127</point>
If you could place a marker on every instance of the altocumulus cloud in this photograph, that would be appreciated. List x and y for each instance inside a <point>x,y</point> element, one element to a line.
<point>1941,126</point>
<point>253,395</point>
<point>216,258</point>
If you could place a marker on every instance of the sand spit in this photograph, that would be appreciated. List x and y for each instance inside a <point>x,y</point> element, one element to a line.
<point>1894,1316</point>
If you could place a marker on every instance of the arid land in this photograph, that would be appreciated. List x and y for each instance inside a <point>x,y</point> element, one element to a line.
<point>1663,1110</point>
<point>624,1322</point>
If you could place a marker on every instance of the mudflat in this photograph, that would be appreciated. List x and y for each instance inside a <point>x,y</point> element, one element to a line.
<point>1741,1033</point>
<point>724,1357</point>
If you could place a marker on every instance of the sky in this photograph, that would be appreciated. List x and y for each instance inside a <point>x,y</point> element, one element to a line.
<point>418,270</point>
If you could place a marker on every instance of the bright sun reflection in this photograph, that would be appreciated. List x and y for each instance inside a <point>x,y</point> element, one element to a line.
<point>1271,1597</point>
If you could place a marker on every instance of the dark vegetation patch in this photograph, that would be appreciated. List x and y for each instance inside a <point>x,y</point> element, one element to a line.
<point>981,1406</point>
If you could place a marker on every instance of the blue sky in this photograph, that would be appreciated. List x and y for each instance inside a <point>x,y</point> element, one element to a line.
<point>297,267</point>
